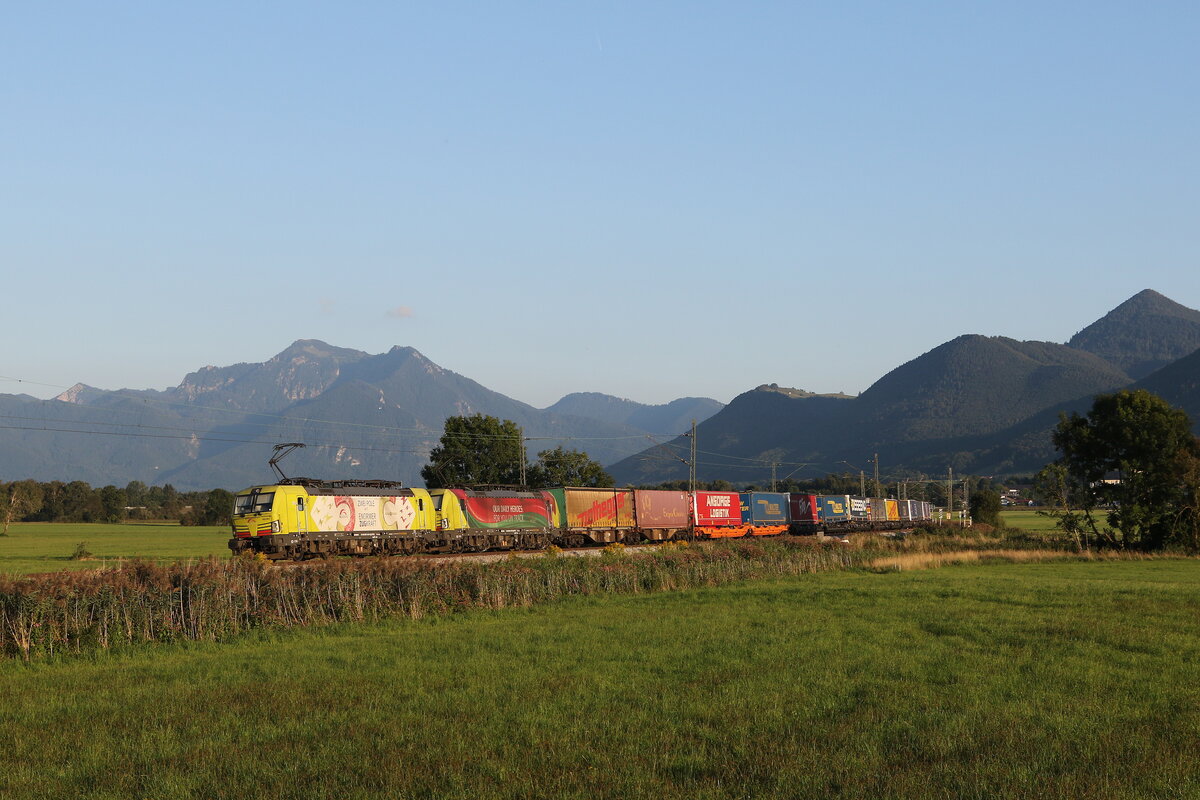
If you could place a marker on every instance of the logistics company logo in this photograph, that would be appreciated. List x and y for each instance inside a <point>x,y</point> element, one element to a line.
<point>718,507</point>
<point>770,508</point>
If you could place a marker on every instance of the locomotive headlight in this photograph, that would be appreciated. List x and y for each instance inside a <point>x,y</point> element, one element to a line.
<point>275,526</point>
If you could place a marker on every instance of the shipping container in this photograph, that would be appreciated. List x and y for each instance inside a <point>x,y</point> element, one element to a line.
<point>718,509</point>
<point>765,508</point>
<point>803,508</point>
<point>858,508</point>
<point>594,508</point>
<point>877,509</point>
<point>659,513</point>
<point>834,508</point>
<point>893,511</point>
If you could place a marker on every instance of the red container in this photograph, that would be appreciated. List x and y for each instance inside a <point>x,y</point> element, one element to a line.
<point>804,510</point>
<point>718,509</point>
<point>655,509</point>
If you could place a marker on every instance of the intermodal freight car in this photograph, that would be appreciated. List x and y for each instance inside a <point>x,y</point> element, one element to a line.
<point>303,518</point>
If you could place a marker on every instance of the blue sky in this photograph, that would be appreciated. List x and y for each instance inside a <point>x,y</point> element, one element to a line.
<point>651,200</point>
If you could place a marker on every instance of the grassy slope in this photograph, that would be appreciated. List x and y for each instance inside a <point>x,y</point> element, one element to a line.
<point>1071,680</point>
<point>47,547</point>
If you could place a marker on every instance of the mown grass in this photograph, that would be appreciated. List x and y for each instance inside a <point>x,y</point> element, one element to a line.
<point>1056,680</point>
<point>34,547</point>
<point>1028,519</point>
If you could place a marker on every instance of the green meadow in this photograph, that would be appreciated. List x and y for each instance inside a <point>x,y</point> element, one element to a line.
<point>33,547</point>
<point>1028,519</point>
<point>1063,679</point>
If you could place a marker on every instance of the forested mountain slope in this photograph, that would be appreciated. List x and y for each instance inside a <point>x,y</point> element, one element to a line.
<point>1143,334</point>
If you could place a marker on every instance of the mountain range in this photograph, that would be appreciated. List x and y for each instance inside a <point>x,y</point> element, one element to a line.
<point>976,403</point>
<point>360,415</point>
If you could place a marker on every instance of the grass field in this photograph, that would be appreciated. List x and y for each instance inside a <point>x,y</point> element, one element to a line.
<point>1028,519</point>
<point>47,547</point>
<point>1059,680</point>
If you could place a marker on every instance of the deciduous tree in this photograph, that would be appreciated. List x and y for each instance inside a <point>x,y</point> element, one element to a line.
<point>559,467</point>
<point>1129,455</point>
<point>478,449</point>
<point>19,499</point>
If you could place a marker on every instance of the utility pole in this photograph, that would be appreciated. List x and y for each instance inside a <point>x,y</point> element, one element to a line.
<point>692,465</point>
<point>692,486</point>
<point>878,491</point>
<point>521,434</point>
<point>950,491</point>
<point>862,483</point>
<point>774,464</point>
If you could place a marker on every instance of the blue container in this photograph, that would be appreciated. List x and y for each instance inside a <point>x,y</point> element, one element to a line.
<point>765,508</point>
<point>834,507</point>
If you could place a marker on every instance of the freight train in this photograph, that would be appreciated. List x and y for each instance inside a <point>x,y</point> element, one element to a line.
<point>303,518</point>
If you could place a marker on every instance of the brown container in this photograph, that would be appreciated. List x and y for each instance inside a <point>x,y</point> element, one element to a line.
<point>661,509</point>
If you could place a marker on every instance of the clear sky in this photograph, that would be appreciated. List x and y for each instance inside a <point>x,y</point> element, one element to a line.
<point>651,200</point>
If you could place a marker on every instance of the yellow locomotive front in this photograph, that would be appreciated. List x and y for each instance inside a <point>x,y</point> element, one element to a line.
<point>316,518</point>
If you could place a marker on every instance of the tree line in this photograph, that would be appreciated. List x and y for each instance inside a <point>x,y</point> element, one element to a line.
<point>77,501</point>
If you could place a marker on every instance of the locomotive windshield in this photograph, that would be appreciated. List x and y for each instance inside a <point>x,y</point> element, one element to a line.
<point>253,503</point>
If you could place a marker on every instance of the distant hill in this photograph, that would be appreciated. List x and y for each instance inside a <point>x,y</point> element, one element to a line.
<point>969,387</point>
<point>1026,446</point>
<point>362,416</point>
<point>1179,384</point>
<point>671,417</point>
<point>978,403</point>
<point>756,428</point>
<point>978,384</point>
<point>1143,334</point>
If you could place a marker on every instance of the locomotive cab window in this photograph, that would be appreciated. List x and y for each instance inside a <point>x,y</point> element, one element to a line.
<point>253,503</point>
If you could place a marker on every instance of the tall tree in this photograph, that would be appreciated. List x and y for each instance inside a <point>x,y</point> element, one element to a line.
<point>559,467</point>
<point>1128,455</point>
<point>17,500</point>
<point>475,450</point>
